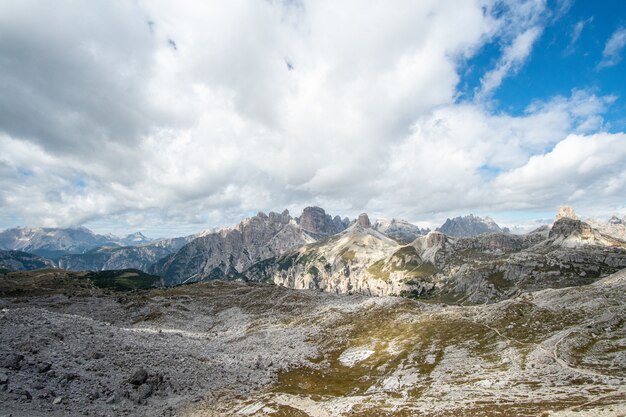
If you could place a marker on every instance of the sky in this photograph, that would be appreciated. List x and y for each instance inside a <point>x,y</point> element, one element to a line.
<point>175,117</point>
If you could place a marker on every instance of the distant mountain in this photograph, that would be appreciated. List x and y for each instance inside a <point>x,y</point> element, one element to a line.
<point>13,260</point>
<point>469,226</point>
<point>135,239</point>
<point>614,227</point>
<point>399,230</point>
<point>226,253</point>
<point>55,242</point>
<point>111,257</point>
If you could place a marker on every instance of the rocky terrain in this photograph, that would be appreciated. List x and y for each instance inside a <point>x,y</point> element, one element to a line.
<point>485,268</point>
<point>469,226</point>
<point>71,347</point>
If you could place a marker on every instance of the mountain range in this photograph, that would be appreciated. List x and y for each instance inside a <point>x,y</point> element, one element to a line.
<point>55,242</point>
<point>468,259</point>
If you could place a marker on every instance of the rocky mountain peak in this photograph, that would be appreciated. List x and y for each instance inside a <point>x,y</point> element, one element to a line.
<point>566,212</point>
<point>364,220</point>
<point>317,223</point>
<point>615,220</point>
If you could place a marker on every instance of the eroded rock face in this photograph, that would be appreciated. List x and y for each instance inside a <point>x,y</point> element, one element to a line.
<point>566,212</point>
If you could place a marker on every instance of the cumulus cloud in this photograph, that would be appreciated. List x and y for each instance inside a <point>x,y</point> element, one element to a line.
<point>612,53</point>
<point>197,114</point>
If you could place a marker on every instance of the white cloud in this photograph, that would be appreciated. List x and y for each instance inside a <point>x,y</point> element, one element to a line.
<point>103,121</point>
<point>612,52</point>
<point>513,57</point>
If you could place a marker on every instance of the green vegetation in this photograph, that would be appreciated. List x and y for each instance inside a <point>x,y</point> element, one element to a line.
<point>286,262</point>
<point>314,271</point>
<point>123,280</point>
<point>377,271</point>
<point>423,270</point>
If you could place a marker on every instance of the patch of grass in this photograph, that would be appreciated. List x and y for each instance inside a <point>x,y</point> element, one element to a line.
<point>377,271</point>
<point>123,280</point>
<point>425,269</point>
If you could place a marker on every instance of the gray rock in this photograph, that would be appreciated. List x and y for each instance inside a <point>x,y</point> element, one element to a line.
<point>138,377</point>
<point>57,400</point>
<point>44,367</point>
<point>12,361</point>
<point>144,391</point>
<point>4,378</point>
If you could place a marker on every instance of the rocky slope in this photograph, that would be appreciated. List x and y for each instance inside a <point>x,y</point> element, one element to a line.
<point>230,348</point>
<point>227,253</point>
<point>479,269</point>
<point>399,230</point>
<point>55,242</point>
<point>12,260</point>
<point>469,226</point>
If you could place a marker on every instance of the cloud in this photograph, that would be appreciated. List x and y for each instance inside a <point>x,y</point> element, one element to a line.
<point>578,167</point>
<point>261,106</point>
<point>611,54</point>
<point>577,30</point>
<point>513,57</point>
